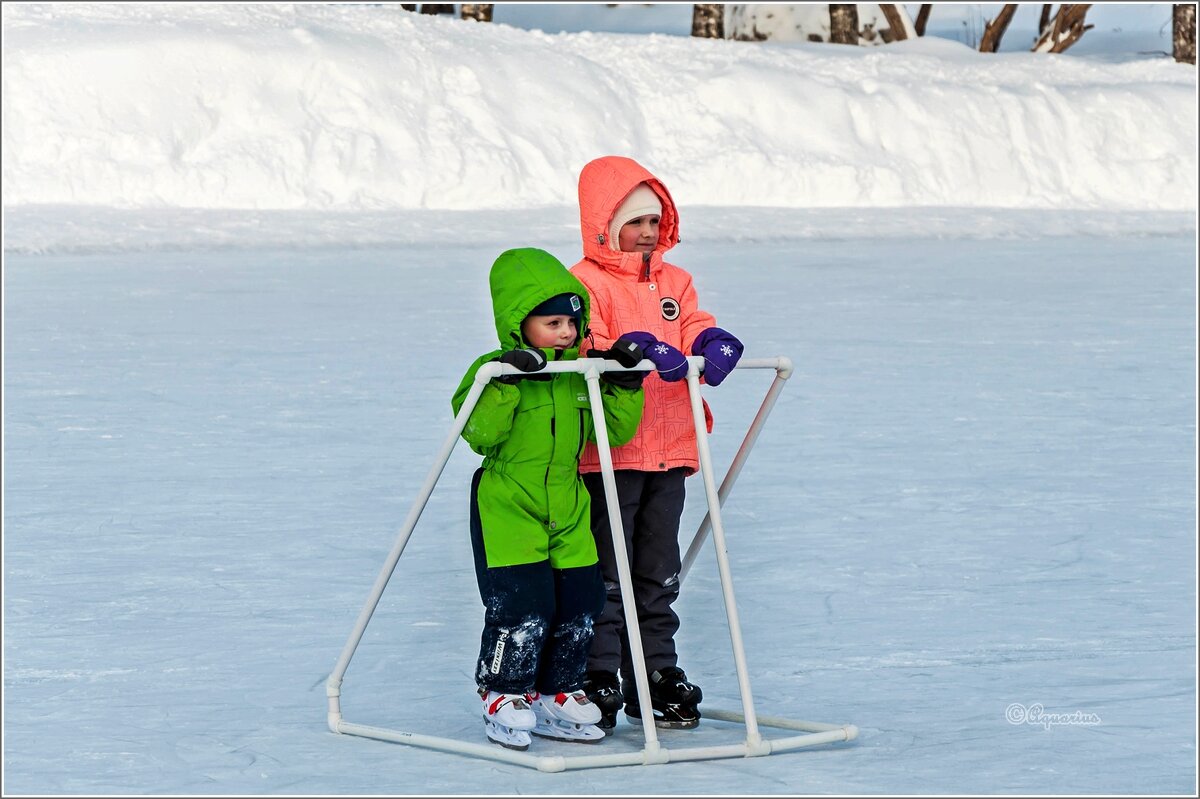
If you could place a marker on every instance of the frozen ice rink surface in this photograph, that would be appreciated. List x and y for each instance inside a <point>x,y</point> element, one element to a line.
<point>975,498</point>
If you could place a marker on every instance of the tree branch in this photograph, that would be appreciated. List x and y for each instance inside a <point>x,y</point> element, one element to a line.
<point>843,23</point>
<point>1183,32</point>
<point>1044,20</point>
<point>708,20</point>
<point>895,21</point>
<point>922,18</point>
<point>994,30</point>
<point>480,12</point>
<point>1067,28</point>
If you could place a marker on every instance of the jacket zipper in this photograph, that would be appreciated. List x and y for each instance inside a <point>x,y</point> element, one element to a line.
<point>553,416</point>
<point>582,434</point>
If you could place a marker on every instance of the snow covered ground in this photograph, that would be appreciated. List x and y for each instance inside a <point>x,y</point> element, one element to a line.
<point>229,347</point>
<point>327,107</point>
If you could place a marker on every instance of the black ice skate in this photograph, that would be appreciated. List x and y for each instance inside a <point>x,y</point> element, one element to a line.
<point>604,689</point>
<point>672,698</point>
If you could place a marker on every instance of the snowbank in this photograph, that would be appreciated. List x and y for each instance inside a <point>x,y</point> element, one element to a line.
<point>346,107</point>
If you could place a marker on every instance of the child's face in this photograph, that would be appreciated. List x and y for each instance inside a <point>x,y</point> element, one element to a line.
<point>639,234</point>
<point>545,332</point>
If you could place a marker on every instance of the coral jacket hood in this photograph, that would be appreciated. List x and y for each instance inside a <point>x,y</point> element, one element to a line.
<point>603,185</point>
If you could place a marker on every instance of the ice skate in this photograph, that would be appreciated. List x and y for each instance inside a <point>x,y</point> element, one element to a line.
<point>508,718</point>
<point>673,700</point>
<point>604,690</point>
<point>567,717</point>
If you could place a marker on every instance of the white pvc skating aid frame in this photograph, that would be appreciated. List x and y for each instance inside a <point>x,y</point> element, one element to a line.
<point>653,752</point>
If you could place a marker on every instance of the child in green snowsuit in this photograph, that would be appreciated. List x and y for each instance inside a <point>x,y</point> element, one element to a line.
<point>535,556</point>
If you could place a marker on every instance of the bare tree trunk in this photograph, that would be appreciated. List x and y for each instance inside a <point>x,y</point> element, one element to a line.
<point>994,30</point>
<point>843,23</point>
<point>922,18</point>
<point>895,23</point>
<point>708,20</point>
<point>480,12</point>
<point>1044,21</point>
<point>1067,27</point>
<point>409,6</point>
<point>437,8</point>
<point>1184,25</point>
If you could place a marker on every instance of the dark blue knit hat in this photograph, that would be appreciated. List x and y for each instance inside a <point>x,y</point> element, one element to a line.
<point>568,304</point>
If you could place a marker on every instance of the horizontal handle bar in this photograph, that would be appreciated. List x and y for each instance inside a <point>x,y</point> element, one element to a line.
<point>780,364</point>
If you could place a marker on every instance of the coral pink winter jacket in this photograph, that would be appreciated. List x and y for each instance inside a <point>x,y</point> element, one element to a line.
<point>629,294</point>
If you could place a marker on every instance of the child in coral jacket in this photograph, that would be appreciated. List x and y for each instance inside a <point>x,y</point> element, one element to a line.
<point>628,222</point>
<point>535,557</point>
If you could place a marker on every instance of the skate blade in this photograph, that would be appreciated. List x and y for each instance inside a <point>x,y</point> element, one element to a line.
<point>575,734</point>
<point>509,738</point>
<point>664,724</point>
<point>676,725</point>
<point>507,745</point>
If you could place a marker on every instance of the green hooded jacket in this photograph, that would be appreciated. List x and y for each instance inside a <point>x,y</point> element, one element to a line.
<point>532,503</point>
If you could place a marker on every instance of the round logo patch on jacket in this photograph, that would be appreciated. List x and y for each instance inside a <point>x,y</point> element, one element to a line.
<point>670,308</point>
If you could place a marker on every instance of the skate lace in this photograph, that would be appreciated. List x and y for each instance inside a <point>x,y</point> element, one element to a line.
<point>671,685</point>
<point>674,678</point>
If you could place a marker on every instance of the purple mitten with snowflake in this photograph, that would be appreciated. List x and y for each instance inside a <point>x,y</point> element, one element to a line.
<point>721,351</point>
<point>671,364</point>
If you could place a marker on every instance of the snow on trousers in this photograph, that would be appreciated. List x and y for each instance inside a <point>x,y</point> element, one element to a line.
<point>537,620</point>
<point>651,504</point>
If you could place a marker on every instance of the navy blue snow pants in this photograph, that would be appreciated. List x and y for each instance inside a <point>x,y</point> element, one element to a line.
<point>651,504</point>
<point>537,624</point>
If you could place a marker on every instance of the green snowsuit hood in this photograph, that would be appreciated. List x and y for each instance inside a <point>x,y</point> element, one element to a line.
<point>523,279</point>
<point>533,505</point>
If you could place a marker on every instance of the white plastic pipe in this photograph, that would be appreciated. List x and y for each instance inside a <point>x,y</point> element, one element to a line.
<point>632,627</point>
<point>813,739</point>
<point>333,685</point>
<point>653,753</point>
<point>753,738</point>
<point>783,370</point>
<point>782,723</point>
<point>483,376</point>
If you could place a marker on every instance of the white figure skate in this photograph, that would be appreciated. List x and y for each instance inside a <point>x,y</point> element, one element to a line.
<point>567,717</point>
<point>508,719</point>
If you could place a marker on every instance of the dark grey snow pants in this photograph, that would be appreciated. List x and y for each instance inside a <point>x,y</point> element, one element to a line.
<point>651,504</point>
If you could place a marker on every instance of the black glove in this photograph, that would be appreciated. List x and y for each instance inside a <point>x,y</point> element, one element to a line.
<point>527,360</point>
<point>626,353</point>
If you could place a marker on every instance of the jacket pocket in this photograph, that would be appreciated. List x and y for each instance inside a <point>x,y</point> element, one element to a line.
<point>583,412</point>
